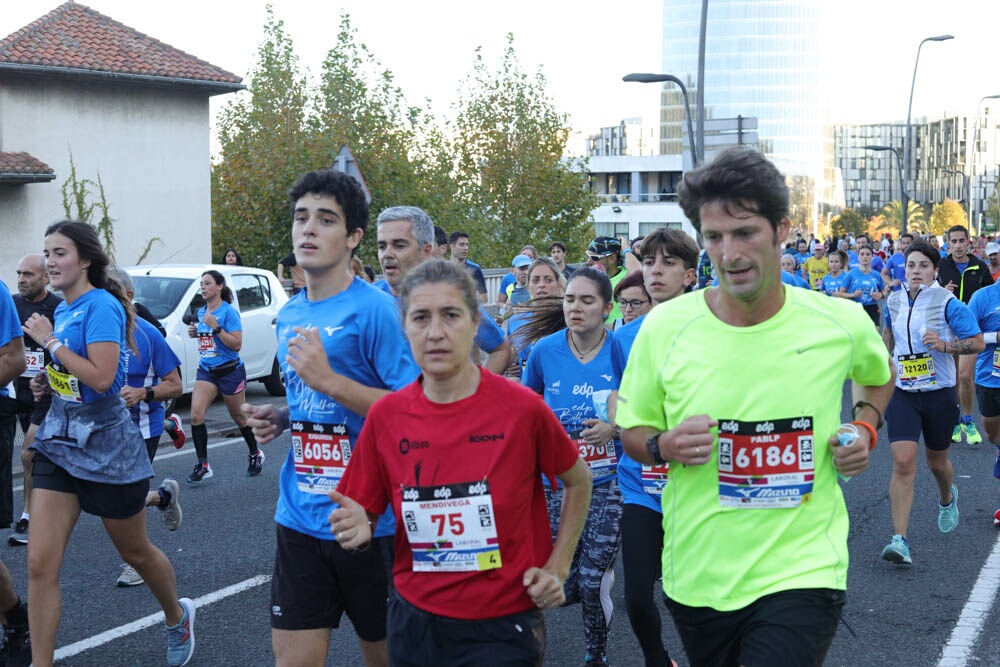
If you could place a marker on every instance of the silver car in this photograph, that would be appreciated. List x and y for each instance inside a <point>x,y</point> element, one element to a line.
<point>172,292</point>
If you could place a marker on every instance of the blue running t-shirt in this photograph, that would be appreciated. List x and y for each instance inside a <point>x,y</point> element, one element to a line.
<point>568,387</point>
<point>360,331</point>
<point>154,360</point>
<point>211,348</point>
<point>635,489</point>
<point>95,317</point>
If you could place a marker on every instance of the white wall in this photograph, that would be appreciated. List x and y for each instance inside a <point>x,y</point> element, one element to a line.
<point>150,145</point>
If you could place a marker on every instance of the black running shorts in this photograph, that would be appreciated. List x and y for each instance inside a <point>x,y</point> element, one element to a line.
<point>794,627</point>
<point>315,581</point>
<point>108,501</point>
<point>989,400</point>
<point>418,638</point>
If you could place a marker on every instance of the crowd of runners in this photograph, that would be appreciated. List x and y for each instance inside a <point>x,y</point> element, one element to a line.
<point>440,454</point>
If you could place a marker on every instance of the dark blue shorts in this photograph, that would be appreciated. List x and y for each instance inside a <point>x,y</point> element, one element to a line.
<point>933,413</point>
<point>230,384</point>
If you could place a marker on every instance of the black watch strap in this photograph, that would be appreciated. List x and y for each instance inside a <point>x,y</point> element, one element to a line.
<point>653,447</point>
<point>149,395</point>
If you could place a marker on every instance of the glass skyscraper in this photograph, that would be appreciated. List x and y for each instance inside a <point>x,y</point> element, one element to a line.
<point>763,59</point>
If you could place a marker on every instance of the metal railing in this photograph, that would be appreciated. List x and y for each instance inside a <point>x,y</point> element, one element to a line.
<point>636,198</point>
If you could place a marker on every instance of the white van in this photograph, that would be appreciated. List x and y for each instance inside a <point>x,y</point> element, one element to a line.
<point>172,292</point>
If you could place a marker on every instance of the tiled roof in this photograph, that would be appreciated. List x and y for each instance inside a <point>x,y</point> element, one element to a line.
<point>23,167</point>
<point>75,37</point>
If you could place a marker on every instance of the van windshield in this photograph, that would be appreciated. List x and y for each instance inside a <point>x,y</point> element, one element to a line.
<point>160,294</point>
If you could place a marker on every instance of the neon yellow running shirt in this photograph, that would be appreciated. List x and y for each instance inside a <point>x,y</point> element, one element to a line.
<point>766,513</point>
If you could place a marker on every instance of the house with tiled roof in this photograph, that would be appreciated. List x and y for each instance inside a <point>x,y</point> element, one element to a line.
<point>127,107</point>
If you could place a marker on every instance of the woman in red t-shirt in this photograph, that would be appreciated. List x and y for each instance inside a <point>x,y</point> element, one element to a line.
<point>460,455</point>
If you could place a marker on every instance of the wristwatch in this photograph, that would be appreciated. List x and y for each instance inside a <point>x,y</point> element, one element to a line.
<point>149,395</point>
<point>653,447</point>
<point>217,330</point>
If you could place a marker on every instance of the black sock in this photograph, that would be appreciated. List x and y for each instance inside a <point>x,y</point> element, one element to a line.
<point>251,441</point>
<point>17,615</point>
<point>199,434</point>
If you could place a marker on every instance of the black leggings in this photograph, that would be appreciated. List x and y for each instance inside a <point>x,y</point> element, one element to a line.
<point>872,310</point>
<point>642,546</point>
<point>152,444</point>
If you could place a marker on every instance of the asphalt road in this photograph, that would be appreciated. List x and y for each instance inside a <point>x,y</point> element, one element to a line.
<point>223,556</point>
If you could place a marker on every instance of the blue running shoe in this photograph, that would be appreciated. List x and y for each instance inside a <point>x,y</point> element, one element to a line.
<point>180,637</point>
<point>996,468</point>
<point>948,514</point>
<point>897,551</point>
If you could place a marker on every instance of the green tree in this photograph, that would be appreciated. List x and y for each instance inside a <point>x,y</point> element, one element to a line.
<point>403,155</point>
<point>512,178</point>
<point>947,214</point>
<point>916,217</point>
<point>848,222</point>
<point>264,146</point>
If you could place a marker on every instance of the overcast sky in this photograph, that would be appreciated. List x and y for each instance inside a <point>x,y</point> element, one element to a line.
<point>583,46</point>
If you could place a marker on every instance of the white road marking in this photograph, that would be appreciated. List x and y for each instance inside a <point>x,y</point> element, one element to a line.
<point>154,619</point>
<point>179,452</point>
<point>958,651</point>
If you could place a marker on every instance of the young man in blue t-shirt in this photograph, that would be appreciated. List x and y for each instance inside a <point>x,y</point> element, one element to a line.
<point>894,270</point>
<point>341,347</point>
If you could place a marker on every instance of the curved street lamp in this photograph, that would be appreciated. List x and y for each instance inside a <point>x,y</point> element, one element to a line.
<point>905,197</point>
<point>906,146</point>
<point>645,77</point>
<point>966,193</point>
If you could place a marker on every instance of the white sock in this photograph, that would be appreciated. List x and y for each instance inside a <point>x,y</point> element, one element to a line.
<point>24,515</point>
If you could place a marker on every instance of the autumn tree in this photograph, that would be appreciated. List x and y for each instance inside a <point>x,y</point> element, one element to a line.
<point>512,179</point>
<point>264,146</point>
<point>399,148</point>
<point>946,215</point>
<point>848,222</point>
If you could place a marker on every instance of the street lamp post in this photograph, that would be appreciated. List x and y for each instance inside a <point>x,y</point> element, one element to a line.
<point>966,193</point>
<point>909,109</point>
<point>645,77</point>
<point>902,182</point>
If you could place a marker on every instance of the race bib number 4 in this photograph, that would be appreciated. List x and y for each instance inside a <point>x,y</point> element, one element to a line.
<point>34,363</point>
<point>321,453</point>
<point>206,345</point>
<point>600,459</point>
<point>765,464</point>
<point>916,371</point>
<point>66,386</point>
<point>451,528</point>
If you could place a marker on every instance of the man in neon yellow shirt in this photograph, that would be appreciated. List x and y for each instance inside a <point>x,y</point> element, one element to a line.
<point>755,526</point>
